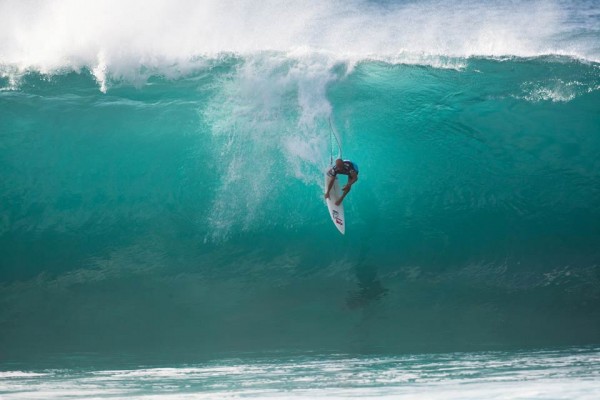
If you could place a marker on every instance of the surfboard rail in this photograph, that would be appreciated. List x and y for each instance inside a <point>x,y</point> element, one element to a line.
<point>335,212</point>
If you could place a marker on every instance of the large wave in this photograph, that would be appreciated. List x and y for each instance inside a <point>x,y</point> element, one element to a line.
<point>180,207</point>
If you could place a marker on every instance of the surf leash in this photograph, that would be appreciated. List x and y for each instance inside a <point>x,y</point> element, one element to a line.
<point>332,134</point>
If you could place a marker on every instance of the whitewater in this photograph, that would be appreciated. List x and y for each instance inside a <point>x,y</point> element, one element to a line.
<point>163,231</point>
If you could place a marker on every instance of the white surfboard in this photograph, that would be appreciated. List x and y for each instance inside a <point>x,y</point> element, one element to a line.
<point>335,212</point>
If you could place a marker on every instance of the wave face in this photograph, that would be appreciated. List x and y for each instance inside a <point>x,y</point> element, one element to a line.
<point>161,184</point>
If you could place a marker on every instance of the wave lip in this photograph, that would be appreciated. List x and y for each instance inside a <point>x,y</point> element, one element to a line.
<point>117,37</point>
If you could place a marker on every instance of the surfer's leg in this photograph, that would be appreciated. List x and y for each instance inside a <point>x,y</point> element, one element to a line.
<point>337,203</point>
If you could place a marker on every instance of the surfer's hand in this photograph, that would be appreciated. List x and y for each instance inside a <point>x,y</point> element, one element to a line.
<point>327,195</point>
<point>346,189</point>
<point>337,203</point>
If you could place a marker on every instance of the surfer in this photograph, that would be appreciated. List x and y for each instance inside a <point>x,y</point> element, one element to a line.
<point>344,167</point>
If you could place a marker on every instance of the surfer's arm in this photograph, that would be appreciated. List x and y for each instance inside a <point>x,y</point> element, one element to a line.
<point>344,193</point>
<point>351,181</point>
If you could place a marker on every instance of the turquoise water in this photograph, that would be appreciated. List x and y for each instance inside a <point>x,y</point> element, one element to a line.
<point>161,181</point>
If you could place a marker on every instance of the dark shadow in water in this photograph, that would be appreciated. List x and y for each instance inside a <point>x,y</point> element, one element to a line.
<point>369,288</point>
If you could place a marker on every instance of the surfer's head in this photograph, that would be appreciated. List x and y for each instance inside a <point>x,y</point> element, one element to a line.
<point>339,163</point>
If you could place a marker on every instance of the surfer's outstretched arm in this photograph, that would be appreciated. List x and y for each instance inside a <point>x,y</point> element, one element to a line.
<point>344,193</point>
<point>351,181</point>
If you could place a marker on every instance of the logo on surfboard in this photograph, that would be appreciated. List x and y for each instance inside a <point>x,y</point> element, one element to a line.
<point>336,217</point>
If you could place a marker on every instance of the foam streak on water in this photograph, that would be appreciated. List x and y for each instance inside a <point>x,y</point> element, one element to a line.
<point>550,374</point>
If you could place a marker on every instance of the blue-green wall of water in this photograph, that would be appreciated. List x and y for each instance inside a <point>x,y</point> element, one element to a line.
<point>187,213</point>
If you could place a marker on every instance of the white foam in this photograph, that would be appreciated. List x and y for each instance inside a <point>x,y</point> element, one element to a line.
<point>267,105</point>
<point>20,374</point>
<point>554,90</point>
<point>553,374</point>
<point>117,37</point>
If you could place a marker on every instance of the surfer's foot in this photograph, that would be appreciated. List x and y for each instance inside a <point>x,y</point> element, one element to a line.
<point>337,203</point>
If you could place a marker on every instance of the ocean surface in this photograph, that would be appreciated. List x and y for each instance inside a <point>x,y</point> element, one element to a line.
<point>569,373</point>
<point>162,224</point>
